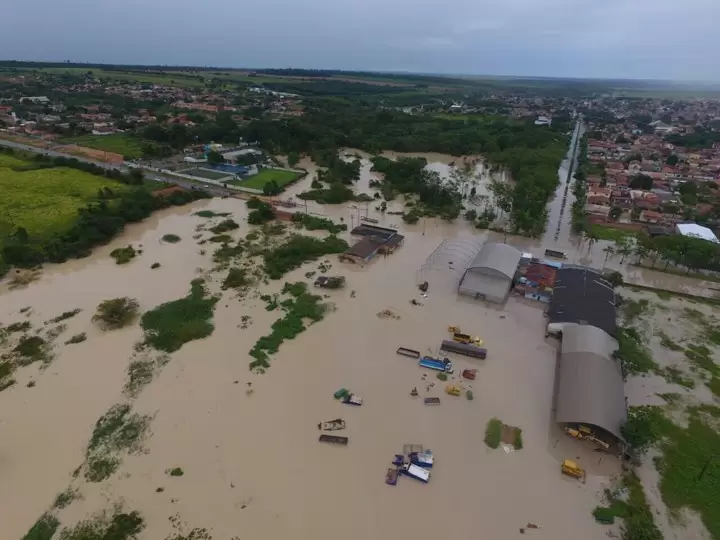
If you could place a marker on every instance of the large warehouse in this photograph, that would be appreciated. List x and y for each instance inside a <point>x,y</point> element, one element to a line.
<point>590,391</point>
<point>490,275</point>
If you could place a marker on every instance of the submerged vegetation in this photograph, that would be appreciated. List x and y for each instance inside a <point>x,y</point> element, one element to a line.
<point>171,238</point>
<point>43,529</point>
<point>298,250</point>
<point>124,255</point>
<point>118,430</point>
<point>169,326</point>
<point>314,223</point>
<point>300,306</point>
<point>116,313</point>
<point>116,526</point>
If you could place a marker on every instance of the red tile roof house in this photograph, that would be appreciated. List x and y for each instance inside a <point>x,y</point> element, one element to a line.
<point>615,165</point>
<point>648,216</point>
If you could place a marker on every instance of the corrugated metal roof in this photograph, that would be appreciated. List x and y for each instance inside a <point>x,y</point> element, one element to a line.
<point>590,387</point>
<point>501,258</point>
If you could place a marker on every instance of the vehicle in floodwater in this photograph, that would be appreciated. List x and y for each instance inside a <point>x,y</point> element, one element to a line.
<point>436,364</point>
<point>556,254</point>
<point>416,472</point>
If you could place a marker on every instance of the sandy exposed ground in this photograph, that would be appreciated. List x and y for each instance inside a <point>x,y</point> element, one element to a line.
<point>253,466</point>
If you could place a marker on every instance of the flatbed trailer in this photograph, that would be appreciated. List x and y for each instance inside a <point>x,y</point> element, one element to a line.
<point>334,439</point>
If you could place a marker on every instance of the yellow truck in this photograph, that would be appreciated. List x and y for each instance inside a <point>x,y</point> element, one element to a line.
<point>571,468</point>
<point>453,390</point>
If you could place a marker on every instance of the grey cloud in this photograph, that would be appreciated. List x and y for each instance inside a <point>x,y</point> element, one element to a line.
<point>583,38</point>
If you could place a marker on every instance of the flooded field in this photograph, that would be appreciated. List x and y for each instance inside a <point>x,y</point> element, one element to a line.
<point>247,443</point>
<point>251,461</point>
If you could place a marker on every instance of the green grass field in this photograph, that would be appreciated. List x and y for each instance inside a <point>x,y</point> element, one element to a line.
<point>257,181</point>
<point>151,78</point>
<point>119,143</point>
<point>45,201</point>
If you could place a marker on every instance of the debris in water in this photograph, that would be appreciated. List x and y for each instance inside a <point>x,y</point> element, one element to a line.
<point>352,294</point>
<point>387,314</point>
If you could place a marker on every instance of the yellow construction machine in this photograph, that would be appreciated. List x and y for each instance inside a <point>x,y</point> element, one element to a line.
<point>571,468</point>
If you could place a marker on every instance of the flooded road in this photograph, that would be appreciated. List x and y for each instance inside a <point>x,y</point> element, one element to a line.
<point>559,225</point>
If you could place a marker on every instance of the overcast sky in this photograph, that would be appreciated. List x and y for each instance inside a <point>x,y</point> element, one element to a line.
<point>661,39</point>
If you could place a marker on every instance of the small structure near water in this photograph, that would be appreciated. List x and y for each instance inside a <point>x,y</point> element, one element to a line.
<point>374,240</point>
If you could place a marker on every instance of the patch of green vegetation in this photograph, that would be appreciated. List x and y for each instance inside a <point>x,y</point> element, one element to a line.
<point>100,467</point>
<point>123,255</point>
<point>64,316</point>
<point>7,383</point>
<point>644,427</point>
<point>117,526</point>
<point>43,529</point>
<point>220,239</point>
<point>66,498</point>
<point>31,349</point>
<point>633,354</point>
<point>518,442</point>
<point>689,473</point>
<point>226,253</point>
<point>638,521</point>
<point>116,313</point>
<point>298,250</point>
<point>262,212</point>
<point>442,376</point>
<point>601,232</point>
<point>211,214</point>
<point>633,309</point>
<point>701,357</point>
<point>169,326</point>
<point>117,143</point>
<point>22,326</point>
<point>671,398</point>
<point>194,534</point>
<point>46,201</point>
<point>265,176</point>
<point>77,338</point>
<point>675,375</point>
<point>175,471</point>
<point>225,226</point>
<point>314,223</point>
<point>714,386</point>
<point>300,306</point>
<point>140,373</point>
<point>119,429</point>
<point>237,278</point>
<point>668,343</point>
<point>493,433</point>
<point>171,238</point>
<point>155,266</point>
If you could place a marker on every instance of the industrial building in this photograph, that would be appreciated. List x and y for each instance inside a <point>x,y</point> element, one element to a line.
<point>490,274</point>
<point>581,296</point>
<point>590,390</point>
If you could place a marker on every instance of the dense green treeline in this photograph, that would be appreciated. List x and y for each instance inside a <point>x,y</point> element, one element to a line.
<point>532,154</point>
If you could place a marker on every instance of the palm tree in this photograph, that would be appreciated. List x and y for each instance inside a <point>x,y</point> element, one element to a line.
<point>592,239</point>
<point>609,252</point>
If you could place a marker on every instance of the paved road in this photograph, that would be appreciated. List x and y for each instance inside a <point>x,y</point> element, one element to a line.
<point>213,190</point>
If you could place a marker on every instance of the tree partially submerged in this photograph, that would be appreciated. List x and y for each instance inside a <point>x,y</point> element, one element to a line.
<point>116,313</point>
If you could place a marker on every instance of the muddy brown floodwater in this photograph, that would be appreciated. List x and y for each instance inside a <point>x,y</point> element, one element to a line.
<point>253,466</point>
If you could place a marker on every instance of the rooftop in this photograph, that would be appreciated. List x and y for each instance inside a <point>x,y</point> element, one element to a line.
<point>697,231</point>
<point>583,296</point>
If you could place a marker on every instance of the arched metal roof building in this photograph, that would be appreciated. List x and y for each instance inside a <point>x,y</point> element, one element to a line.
<point>490,274</point>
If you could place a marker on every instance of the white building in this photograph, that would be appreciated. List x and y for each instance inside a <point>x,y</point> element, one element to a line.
<point>696,231</point>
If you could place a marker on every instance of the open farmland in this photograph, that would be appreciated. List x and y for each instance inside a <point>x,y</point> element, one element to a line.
<point>44,201</point>
<point>119,143</point>
<point>257,181</point>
